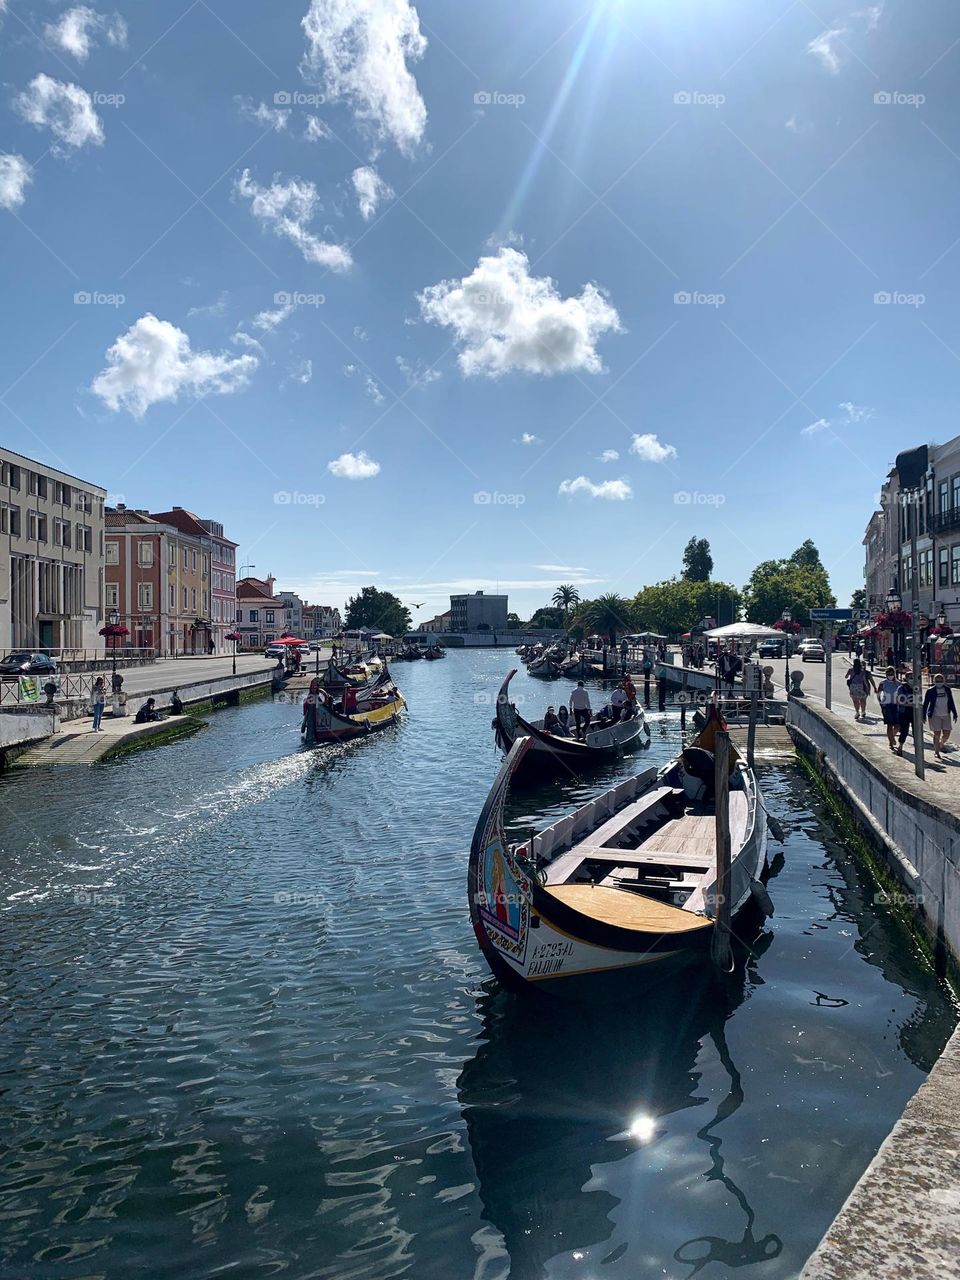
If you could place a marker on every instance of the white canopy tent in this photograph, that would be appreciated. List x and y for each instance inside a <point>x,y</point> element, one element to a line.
<point>745,631</point>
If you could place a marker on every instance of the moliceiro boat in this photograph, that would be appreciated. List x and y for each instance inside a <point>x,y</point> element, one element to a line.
<point>628,879</point>
<point>326,719</point>
<point>603,739</point>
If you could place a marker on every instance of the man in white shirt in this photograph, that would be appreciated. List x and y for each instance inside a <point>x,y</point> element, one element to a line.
<point>580,706</point>
<point>617,700</point>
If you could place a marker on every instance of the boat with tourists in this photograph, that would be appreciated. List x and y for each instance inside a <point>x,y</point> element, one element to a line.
<point>604,738</point>
<point>628,879</point>
<point>353,714</point>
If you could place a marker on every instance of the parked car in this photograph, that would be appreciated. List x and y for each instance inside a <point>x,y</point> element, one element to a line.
<point>771,649</point>
<point>28,664</point>
<point>275,651</point>
<point>812,651</point>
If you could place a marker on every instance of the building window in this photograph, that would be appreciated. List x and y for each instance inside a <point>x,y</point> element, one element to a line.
<point>926,568</point>
<point>36,526</point>
<point>62,494</point>
<point>193,599</point>
<point>955,565</point>
<point>9,519</point>
<point>171,596</point>
<point>184,599</point>
<point>955,492</point>
<point>37,485</point>
<point>193,562</point>
<point>254,615</point>
<point>84,538</point>
<point>944,579</point>
<point>171,555</point>
<point>111,595</point>
<point>269,616</point>
<point>144,595</point>
<point>10,475</point>
<point>111,551</point>
<point>145,554</point>
<point>61,533</point>
<point>185,557</point>
<point>944,504</point>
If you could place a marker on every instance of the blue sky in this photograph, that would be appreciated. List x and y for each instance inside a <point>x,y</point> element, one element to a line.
<point>385,288</point>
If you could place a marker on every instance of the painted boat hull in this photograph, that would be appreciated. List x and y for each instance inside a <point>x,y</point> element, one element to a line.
<point>530,937</point>
<point>330,725</point>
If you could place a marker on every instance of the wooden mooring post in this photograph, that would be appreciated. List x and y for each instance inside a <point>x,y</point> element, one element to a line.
<point>720,945</point>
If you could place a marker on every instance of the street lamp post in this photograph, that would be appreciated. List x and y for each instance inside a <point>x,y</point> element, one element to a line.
<point>786,618</point>
<point>234,636</point>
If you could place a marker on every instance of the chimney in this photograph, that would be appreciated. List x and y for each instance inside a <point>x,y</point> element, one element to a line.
<point>271,582</point>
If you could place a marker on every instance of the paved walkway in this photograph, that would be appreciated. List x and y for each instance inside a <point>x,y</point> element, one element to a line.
<point>78,744</point>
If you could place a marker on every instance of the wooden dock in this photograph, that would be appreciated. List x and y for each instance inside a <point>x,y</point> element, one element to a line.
<point>86,747</point>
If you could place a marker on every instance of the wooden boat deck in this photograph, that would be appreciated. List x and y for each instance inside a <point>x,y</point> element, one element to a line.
<point>627,910</point>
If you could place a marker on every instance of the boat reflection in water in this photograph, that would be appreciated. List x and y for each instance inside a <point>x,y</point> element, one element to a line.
<point>574,1089</point>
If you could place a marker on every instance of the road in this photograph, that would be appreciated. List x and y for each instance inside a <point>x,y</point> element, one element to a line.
<point>167,672</point>
<point>815,681</point>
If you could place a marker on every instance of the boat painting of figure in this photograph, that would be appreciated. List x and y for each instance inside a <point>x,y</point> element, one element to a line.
<point>352,716</point>
<point>628,879</point>
<point>605,738</point>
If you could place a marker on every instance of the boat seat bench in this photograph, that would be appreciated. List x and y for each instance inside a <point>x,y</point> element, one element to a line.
<point>628,910</point>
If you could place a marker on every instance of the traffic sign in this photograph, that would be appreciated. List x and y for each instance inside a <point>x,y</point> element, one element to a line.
<point>318,631</point>
<point>831,615</point>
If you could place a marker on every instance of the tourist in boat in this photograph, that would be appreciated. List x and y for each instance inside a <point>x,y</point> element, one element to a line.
<point>860,684</point>
<point>938,708</point>
<point>618,701</point>
<point>563,721</point>
<point>630,689</point>
<point>580,706</point>
<point>887,697</point>
<point>147,712</point>
<point>551,721</point>
<point>349,700</point>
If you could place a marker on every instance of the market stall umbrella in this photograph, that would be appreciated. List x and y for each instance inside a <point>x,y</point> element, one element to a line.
<point>288,640</point>
<point>744,631</point>
<point>649,635</point>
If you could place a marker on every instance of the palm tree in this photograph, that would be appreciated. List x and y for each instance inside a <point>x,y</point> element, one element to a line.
<point>609,615</point>
<point>565,597</point>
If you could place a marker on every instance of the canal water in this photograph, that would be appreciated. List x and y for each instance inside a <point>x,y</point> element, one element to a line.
<point>247,1030</point>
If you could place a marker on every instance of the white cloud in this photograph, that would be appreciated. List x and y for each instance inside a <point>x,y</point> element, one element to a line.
<point>153,361</point>
<point>505,239</point>
<point>507,319</point>
<point>316,131</point>
<point>856,412</point>
<point>360,49</point>
<point>650,449</point>
<point>268,320</point>
<point>354,466</point>
<point>814,429</point>
<point>871,16</point>
<point>78,28</point>
<point>211,309</point>
<point>65,109</point>
<point>243,339</point>
<point>275,118</point>
<point>370,189</point>
<point>826,47</point>
<point>287,208</point>
<point>360,333</point>
<point>372,389</point>
<point>561,568</point>
<point>529,438</point>
<point>609,490</point>
<point>15,177</point>
<point>349,370</point>
<point>609,455</point>
<point>416,374</point>
<point>301,372</point>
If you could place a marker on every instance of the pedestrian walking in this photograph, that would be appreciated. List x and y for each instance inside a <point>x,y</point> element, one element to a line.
<point>940,713</point>
<point>98,700</point>
<point>904,715</point>
<point>859,685</point>
<point>887,697</point>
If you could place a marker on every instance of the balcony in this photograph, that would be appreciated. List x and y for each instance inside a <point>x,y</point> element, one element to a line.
<point>946,521</point>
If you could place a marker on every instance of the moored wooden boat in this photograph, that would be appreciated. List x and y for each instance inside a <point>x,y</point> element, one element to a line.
<point>551,751</point>
<point>626,880</point>
<point>435,651</point>
<point>325,720</point>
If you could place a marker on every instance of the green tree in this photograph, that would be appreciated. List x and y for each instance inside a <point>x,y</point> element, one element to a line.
<point>677,605</point>
<point>566,598</point>
<point>697,561</point>
<point>548,619</point>
<point>859,599</point>
<point>799,586</point>
<point>610,615</point>
<point>513,621</point>
<point>379,609</point>
<point>807,556</point>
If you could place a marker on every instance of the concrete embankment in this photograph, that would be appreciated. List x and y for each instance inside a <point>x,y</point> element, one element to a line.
<point>902,1220</point>
<point>78,745</point>
<point>912,825</point>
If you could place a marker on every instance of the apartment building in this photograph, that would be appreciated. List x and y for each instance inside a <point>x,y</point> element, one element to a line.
<point>261,615</point>
<point>920,496</point>
<point>158,581</point>
<point>478,612</point>
<point>324,618</point>
<point>222,556</point>
<point>51,557</point>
